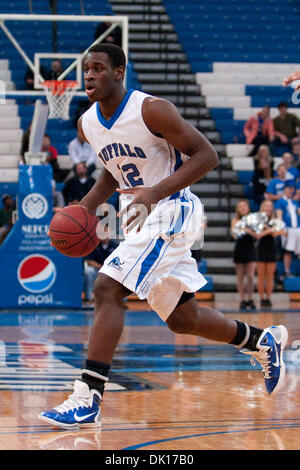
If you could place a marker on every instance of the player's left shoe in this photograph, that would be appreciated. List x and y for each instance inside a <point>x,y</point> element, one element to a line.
<point>270,345</point>
<point>81,409</point>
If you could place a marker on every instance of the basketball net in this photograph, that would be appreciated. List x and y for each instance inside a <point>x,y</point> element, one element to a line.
<point>59,94</point>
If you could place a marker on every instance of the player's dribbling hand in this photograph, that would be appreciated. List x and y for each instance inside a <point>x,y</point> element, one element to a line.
<point>139,208</point>
<point>292,78</point>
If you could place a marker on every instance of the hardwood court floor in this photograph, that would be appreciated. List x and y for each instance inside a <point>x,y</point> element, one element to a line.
<point>166,391</point>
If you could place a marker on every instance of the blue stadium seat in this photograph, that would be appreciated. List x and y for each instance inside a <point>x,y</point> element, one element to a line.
<point>202,266</point>
<point>244,177</point>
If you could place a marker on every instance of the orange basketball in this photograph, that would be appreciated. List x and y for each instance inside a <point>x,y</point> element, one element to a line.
<point>73,231</point>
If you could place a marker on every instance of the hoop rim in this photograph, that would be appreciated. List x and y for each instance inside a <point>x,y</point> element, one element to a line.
<point>63,83</point>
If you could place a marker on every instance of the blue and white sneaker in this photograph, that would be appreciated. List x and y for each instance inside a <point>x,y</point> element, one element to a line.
<point>270,345</point>
<point>81,409</point>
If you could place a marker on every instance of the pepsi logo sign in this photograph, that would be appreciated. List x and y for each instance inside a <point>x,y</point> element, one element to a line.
<point>35,206</point>
<point>36,273</point>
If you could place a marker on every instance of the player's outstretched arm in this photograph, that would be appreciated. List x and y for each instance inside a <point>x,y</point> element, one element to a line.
<point>162,117</point>
<point>292,78</point>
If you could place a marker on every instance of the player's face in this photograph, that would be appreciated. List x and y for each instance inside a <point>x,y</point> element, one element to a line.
<point>99,77</point>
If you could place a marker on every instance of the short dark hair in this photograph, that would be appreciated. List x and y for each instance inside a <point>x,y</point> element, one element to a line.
<point>115,53</point>
<point>282,104</point>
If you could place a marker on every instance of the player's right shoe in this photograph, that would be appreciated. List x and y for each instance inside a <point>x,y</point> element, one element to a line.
<point>81,409</point>
<point>270,345</point>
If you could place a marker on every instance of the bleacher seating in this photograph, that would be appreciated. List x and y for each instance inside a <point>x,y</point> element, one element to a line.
<point>240,53</point>
<point>234,31</point>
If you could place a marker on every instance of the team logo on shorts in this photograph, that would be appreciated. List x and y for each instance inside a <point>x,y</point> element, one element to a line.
<point>116,263</point>
<point>36,273</point>
<point>35,206</point>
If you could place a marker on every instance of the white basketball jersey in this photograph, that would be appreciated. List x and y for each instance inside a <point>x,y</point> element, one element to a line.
<point>126,147</point>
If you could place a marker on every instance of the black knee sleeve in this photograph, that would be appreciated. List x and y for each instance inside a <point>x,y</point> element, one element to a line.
<point>185,297</point>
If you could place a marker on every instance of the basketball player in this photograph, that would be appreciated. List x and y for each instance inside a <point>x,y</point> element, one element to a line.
<point>152,156</point>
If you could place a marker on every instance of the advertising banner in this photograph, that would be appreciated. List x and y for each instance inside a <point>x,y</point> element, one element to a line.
<point>33,273</point>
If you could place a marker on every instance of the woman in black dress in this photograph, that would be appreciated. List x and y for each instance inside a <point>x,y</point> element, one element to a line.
<point>244,257</point>
<point>266,256</point>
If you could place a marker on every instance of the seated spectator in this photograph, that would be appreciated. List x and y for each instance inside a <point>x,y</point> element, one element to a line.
<point>6,216</point>
<point>56,69</point>
<point>51,158</point>
<point>80,151</point>
<point>262,176</point>
<point>114,37</point>
<point>276,185</point>
<point>92,264</point>
<point>288,210</point>
<point>58,199</point>
<point>259,130</point>
<point>285,127</point>
<point>29,77</point>
<point>291,171</point>
<point>78,186</point>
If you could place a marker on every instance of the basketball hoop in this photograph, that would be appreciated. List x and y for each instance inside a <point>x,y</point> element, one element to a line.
<point>59,94</point>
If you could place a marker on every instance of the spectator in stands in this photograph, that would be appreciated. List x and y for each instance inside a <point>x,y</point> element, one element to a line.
<point>51,158</point>
<point>244,257</point>
<point>114,37</point>
<point>287,209</point>
<point>56,69</point>
<point>259,130</point>
<point>292,78</point>
<point>78,186</point>
<point>266,256</point>
<point>6,216</point>
<point>80,151</point>
<point>292,172</point>
<point>276,185</point>
<point>58,199</point>
<point>25,142</point>
<point>285,126</point>
<point>29,77</point>
<point>263,151</point>
<point>92,264</point>
<point>262,175</point>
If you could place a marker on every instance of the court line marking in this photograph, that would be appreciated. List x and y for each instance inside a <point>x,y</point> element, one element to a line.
<point>149,443</point>
<point>52,429</point>
<point>231,422</point>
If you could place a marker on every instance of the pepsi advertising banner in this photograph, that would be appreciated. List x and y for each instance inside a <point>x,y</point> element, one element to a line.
<point>33,273</point>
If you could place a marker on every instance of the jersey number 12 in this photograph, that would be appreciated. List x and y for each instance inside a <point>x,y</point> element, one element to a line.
<point>132,175</point>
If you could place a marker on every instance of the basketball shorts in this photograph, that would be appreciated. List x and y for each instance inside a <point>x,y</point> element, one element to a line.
<point>156,263</point>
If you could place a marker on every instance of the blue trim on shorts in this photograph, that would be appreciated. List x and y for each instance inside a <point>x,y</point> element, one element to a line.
<point>150,260</point>
<point>146,249</point>
<point>180,220</point>
<point>171,241</point>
